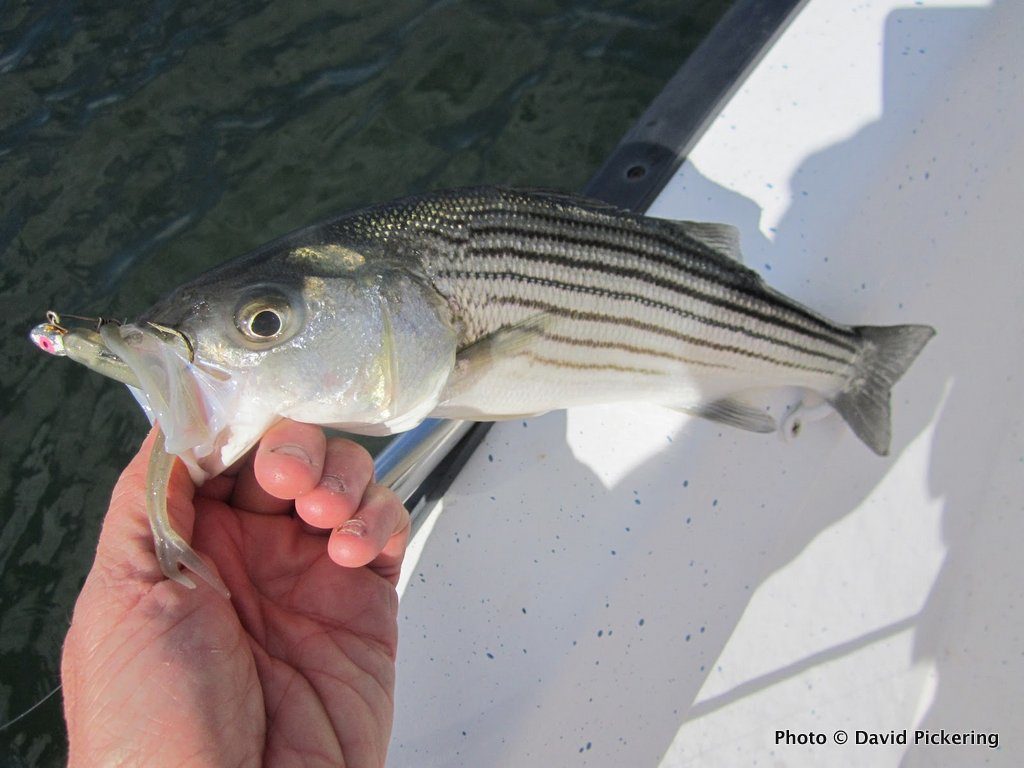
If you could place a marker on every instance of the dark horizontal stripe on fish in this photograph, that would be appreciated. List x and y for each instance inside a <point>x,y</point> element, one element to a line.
<point>645,301</point>
<point>546,210</point>
<point>832,335</point>
<point>630,322</point>
<point>591,366</point>
<point>832,338</point>
<point>599,344</point>
<point>715,265</point>
<point>603,234</point>
<point>752,287</point>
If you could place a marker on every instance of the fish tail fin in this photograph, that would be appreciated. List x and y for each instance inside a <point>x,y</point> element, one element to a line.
<point>887,353</point>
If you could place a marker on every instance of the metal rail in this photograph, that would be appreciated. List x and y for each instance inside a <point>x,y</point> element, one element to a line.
<point>409,459</point>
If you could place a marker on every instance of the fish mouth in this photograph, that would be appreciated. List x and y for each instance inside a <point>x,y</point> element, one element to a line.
<point>192,401</point>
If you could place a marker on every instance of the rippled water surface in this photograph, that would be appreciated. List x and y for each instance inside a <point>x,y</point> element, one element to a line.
<point>143,142</point>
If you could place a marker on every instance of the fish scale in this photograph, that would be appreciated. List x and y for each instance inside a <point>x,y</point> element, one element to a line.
<point>595,240</point>
<point>498,250</point>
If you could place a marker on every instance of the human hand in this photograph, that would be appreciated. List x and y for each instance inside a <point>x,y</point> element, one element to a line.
<point>297,668</point>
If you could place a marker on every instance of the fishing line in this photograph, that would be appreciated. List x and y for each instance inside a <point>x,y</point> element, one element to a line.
<point>33,708</point>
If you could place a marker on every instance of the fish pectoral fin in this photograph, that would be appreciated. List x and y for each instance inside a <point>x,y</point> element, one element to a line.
<point>735,413</point>
<point>502,343</point>
<point>474,362</point>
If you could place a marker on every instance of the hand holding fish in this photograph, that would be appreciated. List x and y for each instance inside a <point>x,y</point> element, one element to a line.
<point>298,666</point>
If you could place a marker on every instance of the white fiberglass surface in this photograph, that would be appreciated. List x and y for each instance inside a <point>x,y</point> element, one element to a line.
<point>627,586</point>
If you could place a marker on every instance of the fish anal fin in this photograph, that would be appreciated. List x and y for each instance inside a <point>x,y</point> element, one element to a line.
<point>735,413</point>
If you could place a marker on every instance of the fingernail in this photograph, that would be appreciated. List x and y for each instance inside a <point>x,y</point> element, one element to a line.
<point>333,483</point>
<point>354,527</point>
<point>293,450</point>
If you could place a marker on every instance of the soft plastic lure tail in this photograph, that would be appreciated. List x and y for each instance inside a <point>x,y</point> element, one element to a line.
<point>172,551</point>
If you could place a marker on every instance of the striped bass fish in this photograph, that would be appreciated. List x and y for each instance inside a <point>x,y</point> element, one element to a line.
<point>489,304</point>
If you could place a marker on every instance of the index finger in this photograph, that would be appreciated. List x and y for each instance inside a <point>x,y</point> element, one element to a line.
<point>288,463</point>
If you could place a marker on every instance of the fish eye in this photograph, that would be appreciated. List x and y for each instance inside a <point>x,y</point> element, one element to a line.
<point>263,319</point>
<point>266,324</point>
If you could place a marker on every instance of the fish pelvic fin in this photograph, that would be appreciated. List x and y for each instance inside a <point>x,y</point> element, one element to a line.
<point>887,353</point>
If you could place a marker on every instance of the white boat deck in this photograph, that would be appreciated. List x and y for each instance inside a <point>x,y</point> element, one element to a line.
<point>627,586</point>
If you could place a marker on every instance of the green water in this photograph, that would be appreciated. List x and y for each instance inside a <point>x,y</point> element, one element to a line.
<point>141,143</point>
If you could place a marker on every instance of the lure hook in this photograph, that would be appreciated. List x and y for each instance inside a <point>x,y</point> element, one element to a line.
<point>54,318</point>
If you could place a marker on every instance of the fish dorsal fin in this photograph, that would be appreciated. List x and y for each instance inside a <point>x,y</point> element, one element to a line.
<point>735,413</point>
<point>723,239</point>
<point>568,199</point>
